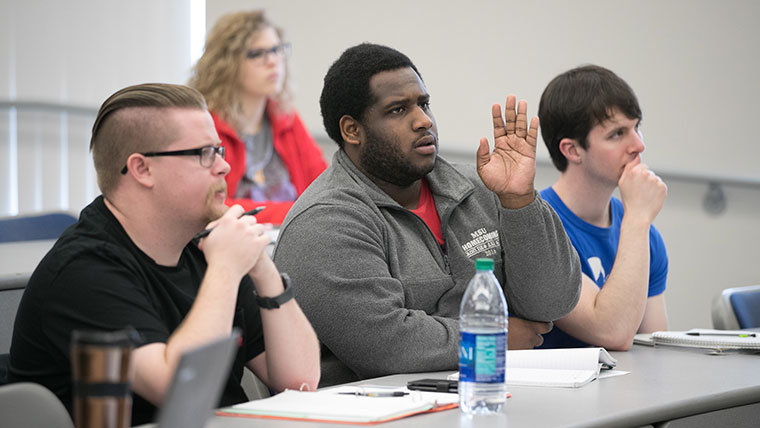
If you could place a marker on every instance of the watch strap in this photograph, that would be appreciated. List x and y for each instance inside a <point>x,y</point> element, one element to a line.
<point>276,302</point>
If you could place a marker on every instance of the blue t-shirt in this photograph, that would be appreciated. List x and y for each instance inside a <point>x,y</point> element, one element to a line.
<point>597,247</point>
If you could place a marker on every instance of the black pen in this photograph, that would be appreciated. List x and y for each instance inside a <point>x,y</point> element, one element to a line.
<point>376,394</point>
<point>696,333</point>
<point>207,231</point>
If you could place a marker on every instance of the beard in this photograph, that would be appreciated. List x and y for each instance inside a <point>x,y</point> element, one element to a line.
<point>382,158</point>
<point>213,209</point>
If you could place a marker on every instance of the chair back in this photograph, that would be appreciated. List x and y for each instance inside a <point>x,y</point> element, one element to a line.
<point>5,362</point>
<point>34,227</point>
<point>29,405</point>
<point>11,289</point>
<point>737,308</point>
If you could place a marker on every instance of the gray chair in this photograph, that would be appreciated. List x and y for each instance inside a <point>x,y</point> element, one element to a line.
<point>254,388</point>
<point>737,308</point>
<point>11,290</point>
<point>29,405</point>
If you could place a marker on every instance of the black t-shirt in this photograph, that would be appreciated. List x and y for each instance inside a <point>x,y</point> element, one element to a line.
<point>96,278</point>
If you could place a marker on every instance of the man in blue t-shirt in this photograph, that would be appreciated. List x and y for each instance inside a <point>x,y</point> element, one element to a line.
<point>590,122</point>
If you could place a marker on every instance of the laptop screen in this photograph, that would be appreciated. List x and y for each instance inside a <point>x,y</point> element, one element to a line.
<point>197,384</point>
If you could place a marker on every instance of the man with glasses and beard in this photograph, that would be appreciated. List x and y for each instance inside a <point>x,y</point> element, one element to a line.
<point>383,243</point>
<point>132,260</point>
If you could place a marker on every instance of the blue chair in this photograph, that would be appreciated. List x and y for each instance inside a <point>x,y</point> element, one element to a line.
<point>737,308</point>
<point>34,227</point>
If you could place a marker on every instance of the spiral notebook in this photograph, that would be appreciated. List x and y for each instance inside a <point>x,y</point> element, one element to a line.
<point>563,368</point>
<point>344,405</point>
<point>710,339</point>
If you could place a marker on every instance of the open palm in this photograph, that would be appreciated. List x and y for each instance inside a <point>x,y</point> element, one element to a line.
<point>509,171</point>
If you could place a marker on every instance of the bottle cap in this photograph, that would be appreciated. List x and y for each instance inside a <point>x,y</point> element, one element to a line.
<point>483,264</point>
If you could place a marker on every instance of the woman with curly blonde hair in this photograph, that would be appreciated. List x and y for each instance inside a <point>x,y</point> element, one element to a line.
<point>243,76</point>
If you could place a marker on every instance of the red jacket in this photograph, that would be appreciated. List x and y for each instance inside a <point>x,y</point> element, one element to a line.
<point>297,149</point>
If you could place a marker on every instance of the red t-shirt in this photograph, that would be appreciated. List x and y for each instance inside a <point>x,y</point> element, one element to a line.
<point>428,213</point>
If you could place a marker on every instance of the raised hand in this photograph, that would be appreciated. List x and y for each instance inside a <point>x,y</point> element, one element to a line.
<point>641,191</point>
<point>509,171</point>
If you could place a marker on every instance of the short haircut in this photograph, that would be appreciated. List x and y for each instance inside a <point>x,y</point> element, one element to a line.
<point>217,73</point>
<point>346,89</point>
<point>134,120</point>
<point>579,99</point>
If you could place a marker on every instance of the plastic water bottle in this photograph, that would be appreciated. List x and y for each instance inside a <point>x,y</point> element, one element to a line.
<point>483,346</point>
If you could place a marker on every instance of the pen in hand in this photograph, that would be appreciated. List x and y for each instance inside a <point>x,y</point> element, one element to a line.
<point>696,333</point>
<point>207,231</point>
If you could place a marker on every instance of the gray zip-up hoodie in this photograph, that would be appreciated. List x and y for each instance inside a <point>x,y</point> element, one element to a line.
<point>384,297</point>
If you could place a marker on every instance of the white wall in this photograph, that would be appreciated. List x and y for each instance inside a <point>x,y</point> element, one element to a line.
<point>693,63</point>
<point>81,51</point>
<point>75,52</point>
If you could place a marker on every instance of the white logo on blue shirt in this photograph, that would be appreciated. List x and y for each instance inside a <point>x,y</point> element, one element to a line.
<point>595,263</point>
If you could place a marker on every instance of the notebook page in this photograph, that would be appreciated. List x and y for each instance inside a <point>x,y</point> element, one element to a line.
<point>439,398</point>
<point>554,378</point>
<point>332,407</point>
<point>563,359</point>
<point>705,340</point>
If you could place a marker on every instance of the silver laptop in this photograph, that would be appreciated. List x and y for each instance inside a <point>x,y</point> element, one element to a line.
<point>197,384</point>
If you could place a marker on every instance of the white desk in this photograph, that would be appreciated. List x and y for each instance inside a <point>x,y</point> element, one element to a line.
<point>22,257</point>
<point>665,384</point>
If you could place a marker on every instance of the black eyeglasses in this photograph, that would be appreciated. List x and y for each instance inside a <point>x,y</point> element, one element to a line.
<point>260,56</point>
<point>207,155</point>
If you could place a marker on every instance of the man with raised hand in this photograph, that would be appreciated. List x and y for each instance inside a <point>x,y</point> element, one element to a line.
<point>383,244</point>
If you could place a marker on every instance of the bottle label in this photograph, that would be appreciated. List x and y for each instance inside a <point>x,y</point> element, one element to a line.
<point>482,357</point>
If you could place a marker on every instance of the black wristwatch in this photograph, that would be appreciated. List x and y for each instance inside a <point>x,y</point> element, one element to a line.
<point>276,302</point>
